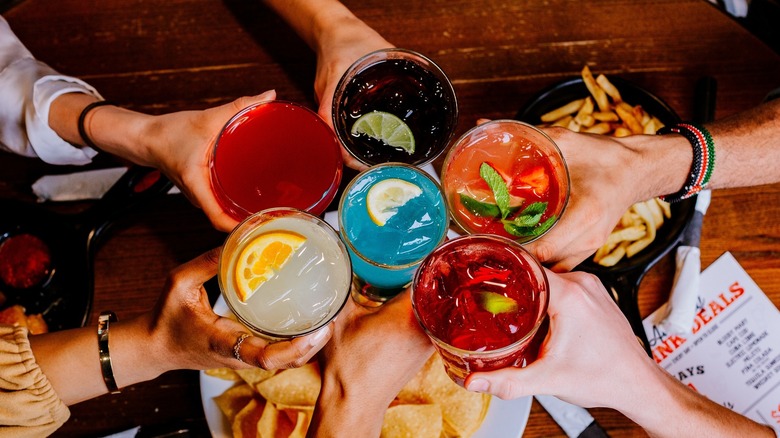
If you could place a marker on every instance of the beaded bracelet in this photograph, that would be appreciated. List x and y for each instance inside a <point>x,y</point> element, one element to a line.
<point>83,118</point>
<point>703,159</point>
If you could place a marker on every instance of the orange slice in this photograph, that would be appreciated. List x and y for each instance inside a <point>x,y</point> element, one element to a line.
<point>261,258</point>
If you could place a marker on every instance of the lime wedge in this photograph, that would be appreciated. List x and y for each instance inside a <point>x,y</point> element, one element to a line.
<point>387,128</point>
<point>385,197</point>
<point>496,303</point>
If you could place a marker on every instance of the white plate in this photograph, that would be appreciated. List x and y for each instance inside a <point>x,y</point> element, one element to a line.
<point>503,419</point>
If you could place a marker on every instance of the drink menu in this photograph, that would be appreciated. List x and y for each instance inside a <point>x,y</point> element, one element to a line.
<point>732,354</point>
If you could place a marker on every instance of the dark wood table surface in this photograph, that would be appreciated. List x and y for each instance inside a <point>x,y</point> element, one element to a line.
<point>165,55</point>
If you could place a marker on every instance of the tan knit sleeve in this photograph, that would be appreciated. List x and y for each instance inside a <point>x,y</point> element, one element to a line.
<point>29,407</point>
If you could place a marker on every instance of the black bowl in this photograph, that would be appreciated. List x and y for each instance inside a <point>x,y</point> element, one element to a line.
<point>622,280</point>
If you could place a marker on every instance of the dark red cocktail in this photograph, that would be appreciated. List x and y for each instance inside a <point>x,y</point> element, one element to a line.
<point>395,105</point>
<point>481,299</point>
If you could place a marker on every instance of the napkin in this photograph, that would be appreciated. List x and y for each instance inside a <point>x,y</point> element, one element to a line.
<point>679,312</point>
<point>90,184</point>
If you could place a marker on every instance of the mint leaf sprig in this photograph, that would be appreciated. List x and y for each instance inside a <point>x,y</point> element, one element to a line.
<point>525,224</point>
<point>497,186</point>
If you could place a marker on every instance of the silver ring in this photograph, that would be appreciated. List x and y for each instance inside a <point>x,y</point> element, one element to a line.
<point>237,346</point>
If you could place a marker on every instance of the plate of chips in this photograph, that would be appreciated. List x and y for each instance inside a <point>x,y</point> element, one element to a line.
<point>256,402</point>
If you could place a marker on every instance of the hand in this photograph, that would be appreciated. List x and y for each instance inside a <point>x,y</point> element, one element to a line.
<point>603,186</point>
<point>591,358</point>
<point>188,333</point>
<point>588,357</point>
<point>343,42</point>
<point>373,354</point>
<point>180,145</point>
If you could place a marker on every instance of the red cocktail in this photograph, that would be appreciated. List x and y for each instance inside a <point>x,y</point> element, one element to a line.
<point>506,178</point>
<point>482,300</point>
<point>275,154</point>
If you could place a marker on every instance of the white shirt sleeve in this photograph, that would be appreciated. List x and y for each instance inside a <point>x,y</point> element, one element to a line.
<point>27,89</point>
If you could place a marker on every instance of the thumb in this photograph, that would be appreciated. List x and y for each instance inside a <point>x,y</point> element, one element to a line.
<point>200,269</point>
<point>244,101</point>
<point>507,383</point>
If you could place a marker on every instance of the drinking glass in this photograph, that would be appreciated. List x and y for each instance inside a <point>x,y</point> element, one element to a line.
<point>395,105</point>
<point>482,299</point>
<point>275,154</point>
<point>390,216</point>
<point>507,178</point>
<point>284,273</point>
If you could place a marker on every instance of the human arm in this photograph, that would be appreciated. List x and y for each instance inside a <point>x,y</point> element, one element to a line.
<point>609,174</point>
<point>372,355</point>
<point>592,358</point>
<point>181,332</point>
<point>179,143</point>
<point>338,38</point>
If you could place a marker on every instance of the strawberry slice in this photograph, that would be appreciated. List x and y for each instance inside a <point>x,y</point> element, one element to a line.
<point>536,180</point>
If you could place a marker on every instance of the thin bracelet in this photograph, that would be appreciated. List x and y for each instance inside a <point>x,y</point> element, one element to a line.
<point>703,159</point>
<point>105,357</point>
<point>82,119</point>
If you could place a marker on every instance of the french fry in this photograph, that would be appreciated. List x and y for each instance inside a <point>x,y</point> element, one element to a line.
<point>584,115</point>
<point>598,94</point>
<point>622,132</point>
<point>630,218</point>
<point>573,126</point>
<point>656,212</point>
<point>565,110</point>
<point>627,234</point>
<point>627,116</point>
<point>665,207</point>
<point>599,128</point>
<point>606,116</point>
<point>612,258</point>
<point>563,121</point>
<point>608,88</point>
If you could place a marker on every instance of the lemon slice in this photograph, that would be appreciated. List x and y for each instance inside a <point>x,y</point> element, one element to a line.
<point>385,197</point>
<point>387,128</point>
<point>261,257</point>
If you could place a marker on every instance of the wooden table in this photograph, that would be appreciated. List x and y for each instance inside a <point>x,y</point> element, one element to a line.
<point>165,55</point>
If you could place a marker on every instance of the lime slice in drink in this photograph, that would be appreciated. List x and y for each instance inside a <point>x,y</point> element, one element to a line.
<point>385,197</point>
<point>387,128</point>
<point>496,303</point>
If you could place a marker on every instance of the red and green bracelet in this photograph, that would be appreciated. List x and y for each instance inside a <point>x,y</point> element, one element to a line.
<point>703,159</point>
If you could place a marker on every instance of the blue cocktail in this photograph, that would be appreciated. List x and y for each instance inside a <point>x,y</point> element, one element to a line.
<point>391,216</point>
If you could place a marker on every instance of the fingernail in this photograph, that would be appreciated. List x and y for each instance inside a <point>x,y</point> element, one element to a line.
<point>319,335</point>
<point>479,385</point>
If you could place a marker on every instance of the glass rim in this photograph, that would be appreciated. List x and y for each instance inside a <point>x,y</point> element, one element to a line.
<point>455,145</point>
<point>345,193</point>
<point>325,200</point>
<point>291,211</point>
<point>431,66</point>
<point>498,351</point>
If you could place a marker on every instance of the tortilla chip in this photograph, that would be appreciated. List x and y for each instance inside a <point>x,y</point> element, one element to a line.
<point>296,387</point>
<point>223,373</point>
<point>412,421</point>
<point>301,425</point>
<point>232,401</point>
<point>253,376</point>
<point>245,423</point>
<point>273,423</point>
<point>463,411</point>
